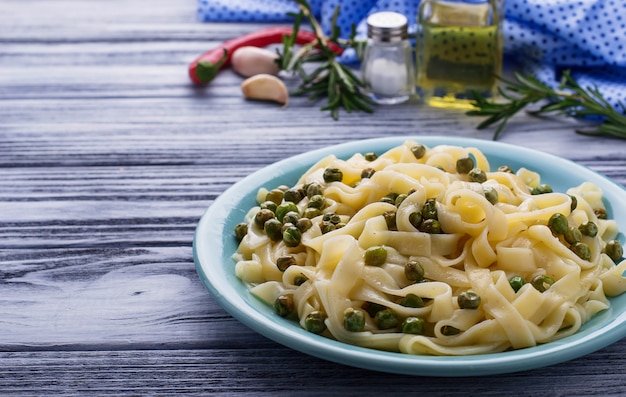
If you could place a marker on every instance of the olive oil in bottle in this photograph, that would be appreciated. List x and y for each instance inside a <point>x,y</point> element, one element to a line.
<point>458,50</point>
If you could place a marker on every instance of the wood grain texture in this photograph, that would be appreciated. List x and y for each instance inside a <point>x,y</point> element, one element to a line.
<point>108,158</point>
<point>272,370</point>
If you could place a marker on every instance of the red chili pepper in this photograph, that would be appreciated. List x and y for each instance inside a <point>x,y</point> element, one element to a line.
<point>205,68</point>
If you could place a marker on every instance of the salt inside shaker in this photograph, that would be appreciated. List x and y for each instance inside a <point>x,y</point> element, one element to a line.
<point>387,67</point>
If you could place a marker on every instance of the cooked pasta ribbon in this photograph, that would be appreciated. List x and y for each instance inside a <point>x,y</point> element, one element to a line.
<point>439,232</point>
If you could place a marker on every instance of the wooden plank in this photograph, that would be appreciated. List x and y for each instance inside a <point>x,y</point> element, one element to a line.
<point>85,131</point>
<point>109,156</point>
<point>114,295</point>
<point>63,21</point>
<point>274,370</point>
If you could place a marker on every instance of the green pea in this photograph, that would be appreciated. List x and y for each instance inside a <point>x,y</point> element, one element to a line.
<point>367,173</point>
<point>491,194</point>
<point>430,226</point>
<point>283,262</point>
<point>415,218</point>
<point>372,308</point>
<point>573,235</point>
<point>391,198</point>
<point>327,227</point>
<point>354,320</point>
<point>600,213</point>
<point>614,250</point>
<point>375,256</point>
<point>429,210</point>
<point>311,213</point>
<point>574,202</point>
<point>291,217</point>
<point>588,229</point>
<point>318,201</point>
<point>294,195</point>
<point>418,151</point>
<point>412,300</point>
<point>390,219</point>
<point>275,196</point>
<point>386,319</point>
<point>273,229</point>
<point>269,204</point>
<point>333,175</point>
<point>464,165</point>
<point>448,330</point>
<point>582,250</point>
<point>370,156</point>
<point>314,322</point>
<point>413,270</point>
<point>241,230</point>
<point>313,189</point>
<point>292,236</point>
<point>300,279</point>
<point>332,218</point>
<point>304,224</point>
<point>284,306</point>
<point>263,216</point>
<point>558,224</point>
<point>541,189</point>
<point>477,175</point>
<point>468,300</point>
<point>284,208</point>
<point>285,226</point>
<point>413,325</point>
<point>517,282</point>
<point>400,199</point>
<point>542,282</point>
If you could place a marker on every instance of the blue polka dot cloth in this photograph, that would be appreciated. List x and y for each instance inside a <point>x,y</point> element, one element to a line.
<point>545,37</point>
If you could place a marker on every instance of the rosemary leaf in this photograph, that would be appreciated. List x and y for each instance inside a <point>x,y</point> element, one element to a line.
<point>344,78</point>
<point>329,78</point>
<point>363,103</point>
<point>311,77</point>
<point>614,130</point>
<point>570,99</point>
<point>345,102</point>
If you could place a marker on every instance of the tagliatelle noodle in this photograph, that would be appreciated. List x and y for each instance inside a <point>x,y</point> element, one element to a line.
<point>482,245</point>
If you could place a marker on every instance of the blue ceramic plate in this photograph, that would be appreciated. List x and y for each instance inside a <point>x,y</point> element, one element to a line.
<point>214,245</point>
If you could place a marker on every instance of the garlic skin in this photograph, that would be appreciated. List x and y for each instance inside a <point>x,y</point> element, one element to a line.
<point>265,87</point>
<point>249,61</point>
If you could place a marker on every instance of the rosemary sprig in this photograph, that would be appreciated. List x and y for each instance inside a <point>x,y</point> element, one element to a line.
<point>570,99</point>
<point>330,79</point>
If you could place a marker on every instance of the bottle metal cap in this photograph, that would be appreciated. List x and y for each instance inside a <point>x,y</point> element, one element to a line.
<point>387,26</point>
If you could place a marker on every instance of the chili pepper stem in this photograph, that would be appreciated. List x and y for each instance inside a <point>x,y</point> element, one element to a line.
<point>206,70</point>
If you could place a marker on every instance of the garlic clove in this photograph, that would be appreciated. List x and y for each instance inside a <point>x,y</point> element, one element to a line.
<point>265,87</point>
<point>249,61</point>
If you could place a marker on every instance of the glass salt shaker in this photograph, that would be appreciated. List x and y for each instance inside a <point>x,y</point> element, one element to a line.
<point>387,67</point>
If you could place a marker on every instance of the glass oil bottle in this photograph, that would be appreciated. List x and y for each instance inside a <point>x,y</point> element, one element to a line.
<point>459,48</point>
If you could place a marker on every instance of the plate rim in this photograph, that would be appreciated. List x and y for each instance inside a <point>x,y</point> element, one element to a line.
<point>399,363</point>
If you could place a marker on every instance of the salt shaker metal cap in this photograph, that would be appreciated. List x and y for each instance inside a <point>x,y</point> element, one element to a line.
<point>387,26</point>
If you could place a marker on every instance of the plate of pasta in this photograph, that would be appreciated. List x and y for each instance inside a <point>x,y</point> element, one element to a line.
<point>433,256</point>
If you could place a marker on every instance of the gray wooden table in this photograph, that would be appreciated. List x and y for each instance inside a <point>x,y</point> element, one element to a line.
<point>108,158</point>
